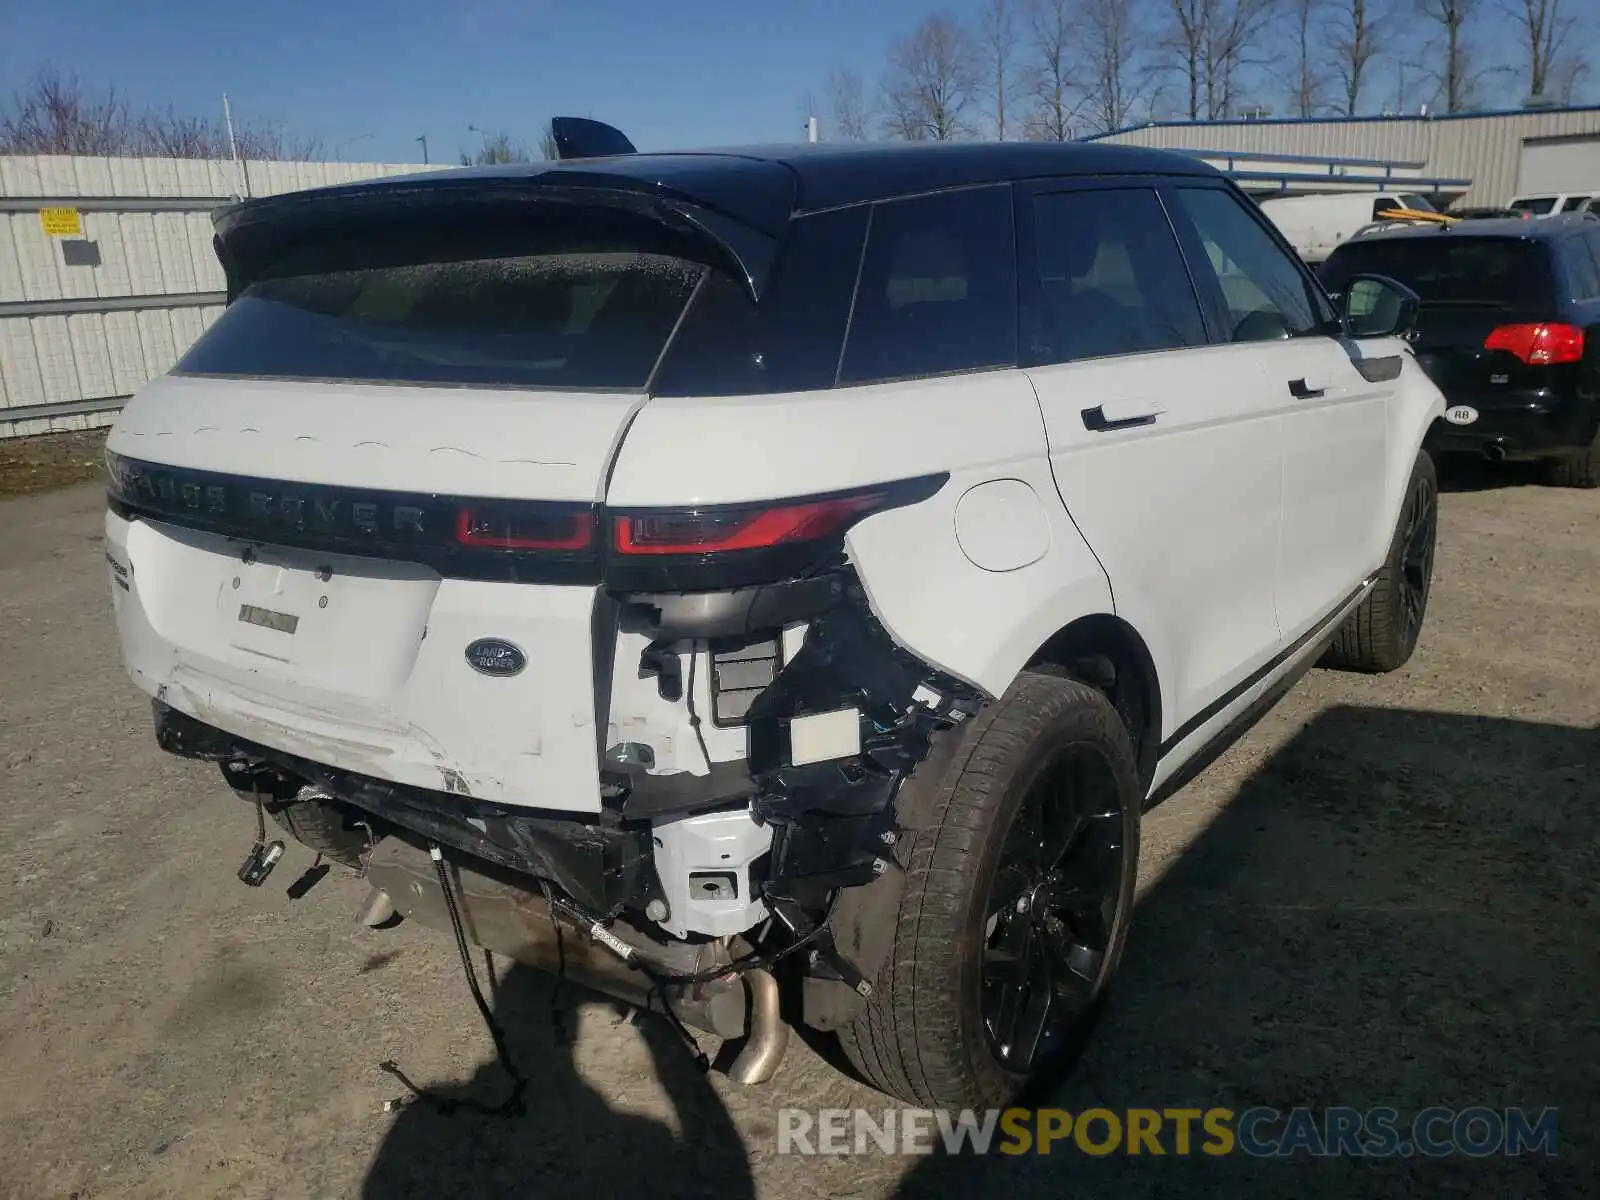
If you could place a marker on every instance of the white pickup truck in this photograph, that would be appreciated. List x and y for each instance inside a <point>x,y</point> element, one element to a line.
<point>1316,225</point>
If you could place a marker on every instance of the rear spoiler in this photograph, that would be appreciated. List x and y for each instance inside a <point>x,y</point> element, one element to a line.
<point>579,137</point>
<point>250,234</point>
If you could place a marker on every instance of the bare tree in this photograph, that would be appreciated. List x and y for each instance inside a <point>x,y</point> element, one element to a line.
<point>1187,41</point>
<point>1236,32</point>
<point>1308,79</point>
<point>1567,76</point>
<point>849,110</point>
<point>1209,42</point>
<point>500,148</point>
<point>270,142</point>
<point>548,150</point>
<point>1052,40</point>
<point>932,81</point>
<point>1357,30</point>
<point>1109,33</point>
<point>1546,27</point>
<point>168,134</point>
<point>998,32</point>
<point>1452,66</point>
<point>55,114</point>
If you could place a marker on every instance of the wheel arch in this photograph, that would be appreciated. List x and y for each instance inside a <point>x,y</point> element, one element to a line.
<point>1105,651</point>
<point>1099,649</point>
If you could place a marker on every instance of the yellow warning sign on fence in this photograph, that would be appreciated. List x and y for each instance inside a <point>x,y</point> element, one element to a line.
<point>61,222</point>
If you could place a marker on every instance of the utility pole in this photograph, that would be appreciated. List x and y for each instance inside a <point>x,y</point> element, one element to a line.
<point>424,140</point>
<point>233,149</point>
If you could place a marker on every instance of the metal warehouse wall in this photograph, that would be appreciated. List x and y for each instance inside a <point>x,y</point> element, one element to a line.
<point>1484,148</point>
<point>82,325</point>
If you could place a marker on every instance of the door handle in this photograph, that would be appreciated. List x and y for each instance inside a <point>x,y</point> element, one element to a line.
<point>1307,389</point>
<point>1096,421</point>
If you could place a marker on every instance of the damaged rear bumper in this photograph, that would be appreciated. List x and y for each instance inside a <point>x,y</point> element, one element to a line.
<point>832,822</point>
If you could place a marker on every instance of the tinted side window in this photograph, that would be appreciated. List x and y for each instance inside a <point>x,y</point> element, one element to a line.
<point>729,346</point>
<point>1574,203</point>
<point>1386,204</point>
<point>1263,289</point>
<point>1457,269</point>
<point>1582,266</point>
<point>938,288</point>
<point>1105,277</point>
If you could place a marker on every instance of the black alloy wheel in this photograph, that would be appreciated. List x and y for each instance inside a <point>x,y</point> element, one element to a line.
<point>1416,556</point>
<point>1053,908</point>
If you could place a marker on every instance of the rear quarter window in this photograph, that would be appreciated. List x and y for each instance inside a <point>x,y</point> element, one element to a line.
<point>790,341</point>
<point>937,291</point>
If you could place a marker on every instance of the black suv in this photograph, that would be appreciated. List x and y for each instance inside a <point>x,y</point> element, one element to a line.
<point>1509,330</point>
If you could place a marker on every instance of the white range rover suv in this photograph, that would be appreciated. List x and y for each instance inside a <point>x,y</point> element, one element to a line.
<point>805,564</point>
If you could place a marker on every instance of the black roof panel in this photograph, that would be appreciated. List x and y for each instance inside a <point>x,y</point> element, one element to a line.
<point>753,182</point>
<point>835,174</point>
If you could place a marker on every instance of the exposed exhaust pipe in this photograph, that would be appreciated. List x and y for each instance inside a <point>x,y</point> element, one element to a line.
<point>768,1038</point>
<point>377,910</point>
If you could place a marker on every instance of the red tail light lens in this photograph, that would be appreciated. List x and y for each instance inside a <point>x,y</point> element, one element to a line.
<point>720,531</point>
<point>514,527</point>
<point>1541,345</point>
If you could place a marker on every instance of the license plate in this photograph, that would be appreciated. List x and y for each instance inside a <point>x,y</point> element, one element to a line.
<point>267,619</point>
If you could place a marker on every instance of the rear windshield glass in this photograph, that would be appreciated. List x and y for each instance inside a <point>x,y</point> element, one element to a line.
<point>568,308</point>
<point>1448,269</point>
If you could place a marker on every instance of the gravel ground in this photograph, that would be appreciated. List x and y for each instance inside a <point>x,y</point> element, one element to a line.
<point>37,464</point>
<point>1383,896</point>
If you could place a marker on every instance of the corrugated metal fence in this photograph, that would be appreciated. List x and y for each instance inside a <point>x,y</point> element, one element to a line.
<point>107,273</point>
<point>1483,147</point>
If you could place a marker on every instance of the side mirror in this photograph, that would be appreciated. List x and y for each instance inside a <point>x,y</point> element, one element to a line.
<point>1373,306</point>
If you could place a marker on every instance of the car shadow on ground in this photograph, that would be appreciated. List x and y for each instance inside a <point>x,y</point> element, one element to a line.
<point>570,1141</point>
<point>1396,910</point>
<point>1473,473</point>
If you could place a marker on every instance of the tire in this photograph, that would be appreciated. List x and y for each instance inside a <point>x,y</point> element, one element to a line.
<point>1382,632</point>
<point>323,827</point>
<point>923,1034</point>
<point>1577,470</point>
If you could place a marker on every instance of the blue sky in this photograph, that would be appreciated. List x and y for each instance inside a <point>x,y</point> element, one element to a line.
<point>688,72</point>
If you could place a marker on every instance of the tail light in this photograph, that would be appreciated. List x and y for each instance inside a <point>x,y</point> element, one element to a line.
<point>724,546</point>
<point>758,527</point>
<point>1541,345</point>
<point>524,527</point>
